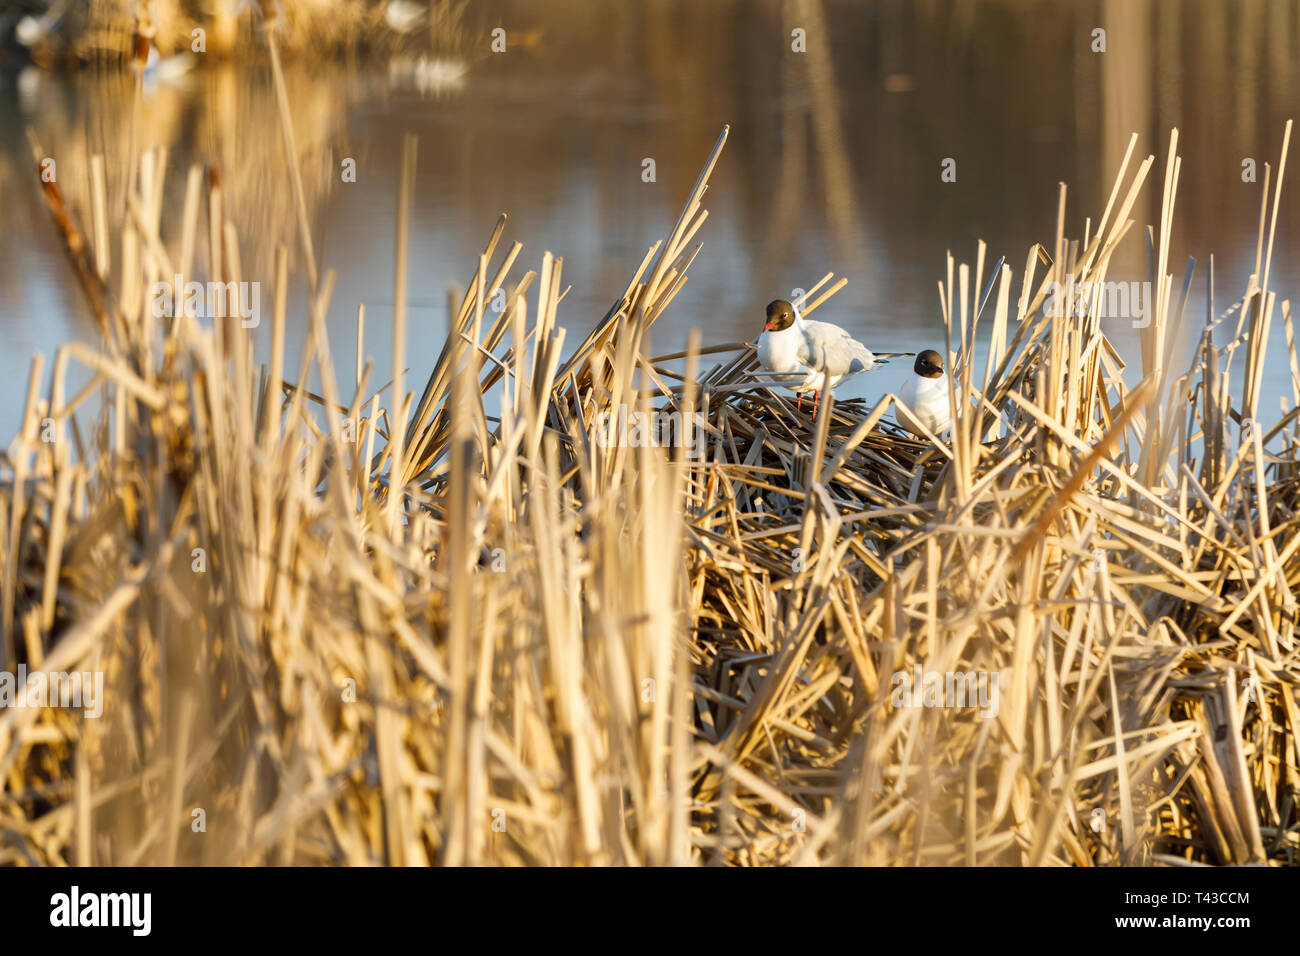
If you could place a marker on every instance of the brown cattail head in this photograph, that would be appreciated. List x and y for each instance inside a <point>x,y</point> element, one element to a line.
<point>142,39</point>
<point>140,52</point>
<point>270,12</point>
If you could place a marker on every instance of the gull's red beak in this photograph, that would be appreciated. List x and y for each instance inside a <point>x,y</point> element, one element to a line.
<point>767,326</point>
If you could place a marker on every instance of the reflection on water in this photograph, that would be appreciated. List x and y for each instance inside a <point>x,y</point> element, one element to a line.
<point>833,163</point>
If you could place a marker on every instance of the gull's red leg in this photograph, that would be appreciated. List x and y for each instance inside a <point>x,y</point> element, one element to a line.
<point>800,400</point>
<point>816,398</point>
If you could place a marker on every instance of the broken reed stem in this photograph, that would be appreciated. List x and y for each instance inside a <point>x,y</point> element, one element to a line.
<point>291,157</point>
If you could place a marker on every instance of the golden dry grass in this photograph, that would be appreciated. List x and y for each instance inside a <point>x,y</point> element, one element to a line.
<point>356,630</point>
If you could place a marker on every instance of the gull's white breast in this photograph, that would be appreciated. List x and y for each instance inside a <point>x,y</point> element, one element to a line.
<point>928,400</point>
<point>783,351</point>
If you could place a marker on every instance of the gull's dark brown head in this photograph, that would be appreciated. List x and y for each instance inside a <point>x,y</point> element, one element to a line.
<point>929,364</point>
<point>780,315</point>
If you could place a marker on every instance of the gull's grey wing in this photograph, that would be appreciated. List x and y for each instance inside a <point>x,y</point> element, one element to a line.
<point>834,349</point>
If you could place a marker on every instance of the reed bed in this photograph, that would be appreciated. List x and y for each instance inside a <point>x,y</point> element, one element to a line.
<point>356,624</point>
<point>72,34</point>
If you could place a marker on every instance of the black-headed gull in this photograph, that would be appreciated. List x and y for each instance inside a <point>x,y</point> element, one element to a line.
<point>926,394</point>
<point>792,344</point>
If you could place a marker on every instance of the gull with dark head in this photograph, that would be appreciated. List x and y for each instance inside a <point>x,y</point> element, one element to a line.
<point>791,344</point>
<point>926,395</point>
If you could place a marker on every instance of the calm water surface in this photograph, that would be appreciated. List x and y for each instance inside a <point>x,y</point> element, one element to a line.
<point>833,163</point>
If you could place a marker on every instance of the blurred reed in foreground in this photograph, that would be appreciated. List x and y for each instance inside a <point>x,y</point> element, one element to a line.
<point>378,626</point>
